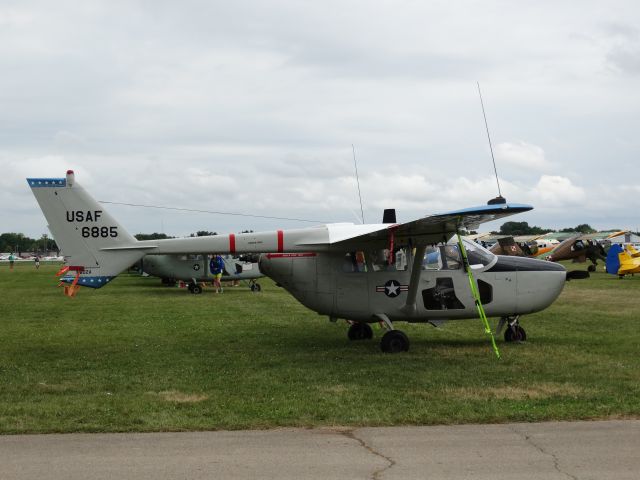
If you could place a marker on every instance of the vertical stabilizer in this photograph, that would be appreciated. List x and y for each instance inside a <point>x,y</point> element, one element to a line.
<point>92,241</point>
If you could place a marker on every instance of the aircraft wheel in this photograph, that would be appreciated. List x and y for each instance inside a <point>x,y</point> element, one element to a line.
<point>515,334</point>
<point>591,268</point>
<point>360,331</point>
<point>255,287</point>
<point>394,341</point>
<point>195,289</point>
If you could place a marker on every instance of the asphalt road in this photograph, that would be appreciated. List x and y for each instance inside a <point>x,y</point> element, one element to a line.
<point>567,450</point>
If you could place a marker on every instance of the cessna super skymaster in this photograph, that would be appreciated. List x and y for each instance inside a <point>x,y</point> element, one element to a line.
<point>419,271</point>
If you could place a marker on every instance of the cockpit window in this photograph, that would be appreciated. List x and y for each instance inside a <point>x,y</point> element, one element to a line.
<point>448,257</point>
<point>478,257</point>
<point>442,257</point>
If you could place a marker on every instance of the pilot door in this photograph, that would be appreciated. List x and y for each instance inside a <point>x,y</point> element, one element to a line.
<point>446,281</point>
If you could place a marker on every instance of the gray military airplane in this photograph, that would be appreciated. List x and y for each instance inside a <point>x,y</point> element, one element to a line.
<point>194,269</point>
<point>372,273</point>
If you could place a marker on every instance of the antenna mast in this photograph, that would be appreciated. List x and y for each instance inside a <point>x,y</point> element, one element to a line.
<point>355,164</point>
<point>499,198</point>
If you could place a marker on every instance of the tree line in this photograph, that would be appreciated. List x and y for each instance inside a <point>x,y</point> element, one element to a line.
<point>18,243</point>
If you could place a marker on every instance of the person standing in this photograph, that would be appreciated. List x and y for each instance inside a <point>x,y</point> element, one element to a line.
<point>37,260</point>
<point>12,259</point>
<point>217,267</point>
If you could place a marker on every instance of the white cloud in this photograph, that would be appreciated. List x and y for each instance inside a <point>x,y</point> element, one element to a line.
<point>557,192</point>
<point>524,156</point>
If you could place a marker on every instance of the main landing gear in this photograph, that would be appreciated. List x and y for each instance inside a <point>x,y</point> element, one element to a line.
<point>393,341</point>
<point>195,288</point>
<point>514,332</point>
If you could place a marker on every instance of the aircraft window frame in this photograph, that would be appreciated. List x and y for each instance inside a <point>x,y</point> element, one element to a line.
<point>379,260</point>
<point>478,256</point>
<point>354,262</point>
<point>431,260</point>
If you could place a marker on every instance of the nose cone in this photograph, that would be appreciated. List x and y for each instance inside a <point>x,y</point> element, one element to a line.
<point>538,282</point>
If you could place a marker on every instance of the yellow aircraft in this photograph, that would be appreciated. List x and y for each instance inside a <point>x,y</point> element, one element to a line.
<point>623,261</point>
<point>632,251</point>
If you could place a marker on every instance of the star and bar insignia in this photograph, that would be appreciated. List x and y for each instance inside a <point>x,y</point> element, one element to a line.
<point>392,288</point>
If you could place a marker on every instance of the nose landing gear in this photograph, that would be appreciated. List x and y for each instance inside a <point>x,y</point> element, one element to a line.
<point>514,332</point>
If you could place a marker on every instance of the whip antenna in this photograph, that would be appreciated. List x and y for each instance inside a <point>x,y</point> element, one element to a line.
<point>355,164</point>
<point>499,198</point>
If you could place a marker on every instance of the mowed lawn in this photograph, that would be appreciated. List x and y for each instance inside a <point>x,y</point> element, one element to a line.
<point>136,356</point>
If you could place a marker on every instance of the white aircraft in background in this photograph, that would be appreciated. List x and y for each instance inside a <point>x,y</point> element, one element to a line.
<point>365,274</point>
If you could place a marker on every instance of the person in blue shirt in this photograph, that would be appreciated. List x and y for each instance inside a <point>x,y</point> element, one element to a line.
<point>216,265</point>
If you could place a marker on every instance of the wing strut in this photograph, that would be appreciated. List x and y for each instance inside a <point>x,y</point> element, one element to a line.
<point>476,294</point>
<point>416,269</point>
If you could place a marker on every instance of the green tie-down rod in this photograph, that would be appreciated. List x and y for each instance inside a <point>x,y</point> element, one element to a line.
<point>476,295</point>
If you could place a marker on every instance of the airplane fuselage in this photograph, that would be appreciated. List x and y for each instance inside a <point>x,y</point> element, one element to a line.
<point>508,286</point>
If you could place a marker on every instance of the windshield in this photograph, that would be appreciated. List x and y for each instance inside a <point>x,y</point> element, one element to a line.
<point>447,257</point>
<point>478,255</point>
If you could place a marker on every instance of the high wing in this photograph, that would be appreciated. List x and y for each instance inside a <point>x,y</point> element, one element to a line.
<point>437,228</point>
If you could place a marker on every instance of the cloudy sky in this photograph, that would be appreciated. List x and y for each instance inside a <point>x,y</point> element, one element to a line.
<point>253,107</point>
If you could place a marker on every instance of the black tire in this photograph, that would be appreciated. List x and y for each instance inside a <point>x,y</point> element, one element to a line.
<point>591,268</point>
<point>360,331</point>
<point>196,289</point>
<point>394,341</point>
<point>515,334</point>
<point>257,288</point>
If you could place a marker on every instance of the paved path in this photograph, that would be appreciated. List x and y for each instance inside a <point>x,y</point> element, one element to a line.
<point>576,450</point>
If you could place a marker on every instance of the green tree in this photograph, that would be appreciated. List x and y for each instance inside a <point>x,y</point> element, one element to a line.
<point>582,228</point>
<point>521,228</point>
<point>151,236</point>
<point>16,242</point>
<point>585,228</point>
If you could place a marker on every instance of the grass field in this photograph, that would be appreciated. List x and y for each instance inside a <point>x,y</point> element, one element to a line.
<point>135,356</point>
